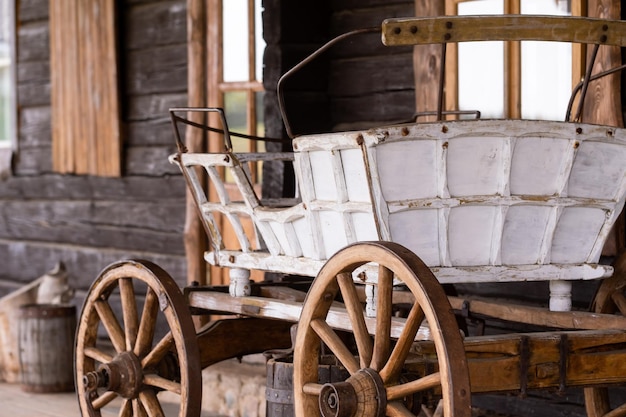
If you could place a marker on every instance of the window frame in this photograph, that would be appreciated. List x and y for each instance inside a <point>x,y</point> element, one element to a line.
<point>217,88</point>
<point>512,61</point>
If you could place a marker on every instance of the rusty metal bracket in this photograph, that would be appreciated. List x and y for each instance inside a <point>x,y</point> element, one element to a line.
<point>563,354</point>
<point>524,364</point>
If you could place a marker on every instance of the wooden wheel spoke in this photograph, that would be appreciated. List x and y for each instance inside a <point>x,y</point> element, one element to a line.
<point>126,410</point>
<point>159,351</point>
<point>620,301</point>
<point>98,355</point>
<point>132,332</point>
<point>110,323</point>
<point>103,400</point>
<point>334,343</point>
<point>397,409</point>
<point>392,368</point>
<point>609,299</point>
<point>129,311</point>
<point>312,389</point>
<point>151,403</point>
<point>138,409</point>
<point>147,324</point>
<point>617,412</point>
<point>382,339</point>
<point>357,318</point>
<point>394,262</point>
<point>397,392</point>
<point>160,382</point>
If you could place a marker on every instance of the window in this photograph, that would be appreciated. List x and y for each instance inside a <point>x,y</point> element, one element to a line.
<point>531,80</point>
<point>237,84</point>
<point>234,82</point>
<point>7,78</point>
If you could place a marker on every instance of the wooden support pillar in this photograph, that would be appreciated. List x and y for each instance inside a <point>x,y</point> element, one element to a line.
<point>603,104</point>
<point>195,139</point>
<point>427,62</point>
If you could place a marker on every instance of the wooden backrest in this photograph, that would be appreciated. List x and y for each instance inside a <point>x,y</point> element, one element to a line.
<point>447,29</point>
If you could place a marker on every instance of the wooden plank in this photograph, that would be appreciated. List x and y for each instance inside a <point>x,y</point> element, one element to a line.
<point>283,310</point>
<point>604,105</point>
<point>539,316</point>
<point>520,362</point>
<point>48,187</point>
<point>155,215</point>
<point>83,263</point>
<point>375,74</point>
<point>417,31</point>
<point>231,338</point>
<point>427,63</point>
<point>86,115</point>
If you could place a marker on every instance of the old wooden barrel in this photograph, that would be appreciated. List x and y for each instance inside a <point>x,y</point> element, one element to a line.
<point>46,344</point>
<point>279,387</point>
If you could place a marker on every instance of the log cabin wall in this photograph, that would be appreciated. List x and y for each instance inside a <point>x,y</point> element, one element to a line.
<point>86,221</point>
<point>359,83</point>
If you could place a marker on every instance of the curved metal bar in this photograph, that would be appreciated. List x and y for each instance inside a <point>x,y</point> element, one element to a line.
<point>580,84</point>
<point>586,80</point>
<point>176,118</point>
<point>305,61</point>
<point>228,145</point>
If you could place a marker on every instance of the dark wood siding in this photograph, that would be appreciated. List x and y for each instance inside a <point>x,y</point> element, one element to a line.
<point>89,222</point>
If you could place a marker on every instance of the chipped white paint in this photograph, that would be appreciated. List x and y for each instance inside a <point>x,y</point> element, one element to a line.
<point>477,200</point>
<point>239,285</point>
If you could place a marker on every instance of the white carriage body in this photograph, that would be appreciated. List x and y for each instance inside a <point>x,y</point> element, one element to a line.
<point>476,200</point>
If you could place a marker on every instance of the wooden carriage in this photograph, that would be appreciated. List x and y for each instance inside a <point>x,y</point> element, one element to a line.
<point>382,218</point>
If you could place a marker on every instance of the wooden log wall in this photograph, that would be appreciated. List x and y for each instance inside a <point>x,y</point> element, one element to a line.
<point>369,84</point>
<point>85,221</point>
<point>359,83</point>
<point>292,30</point>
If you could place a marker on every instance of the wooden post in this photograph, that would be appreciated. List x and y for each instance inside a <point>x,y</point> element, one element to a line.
<point>603,102</point>
<point>427,61</point>
<point>214,56</point>
<point>194,236</point>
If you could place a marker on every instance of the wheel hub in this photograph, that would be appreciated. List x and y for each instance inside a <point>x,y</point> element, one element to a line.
<point>122,375</point>
<point>361,395</point>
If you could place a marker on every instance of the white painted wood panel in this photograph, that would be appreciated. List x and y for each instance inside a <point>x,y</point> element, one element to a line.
<point>477,200</point>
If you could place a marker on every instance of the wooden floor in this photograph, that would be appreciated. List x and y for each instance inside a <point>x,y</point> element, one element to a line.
<point>15,402</point>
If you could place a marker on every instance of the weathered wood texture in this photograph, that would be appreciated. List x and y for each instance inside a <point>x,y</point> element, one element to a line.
<point>45,331</point>
<point>358,83</point>
<point>86,127</point>
<point>194,235</point>
<point>88,221</point>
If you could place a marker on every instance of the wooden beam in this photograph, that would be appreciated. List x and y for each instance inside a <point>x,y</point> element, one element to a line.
<point>603,103</point>
<point>195,139</point>
<point>427,62</point>
<point>525,361</point>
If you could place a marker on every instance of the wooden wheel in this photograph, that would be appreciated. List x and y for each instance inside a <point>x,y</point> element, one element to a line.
<point>609,299</point>
<point>376,386</point>
<point>123,364</point>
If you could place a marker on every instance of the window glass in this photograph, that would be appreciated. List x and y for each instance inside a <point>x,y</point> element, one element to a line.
<point>546,68</point>
<point>481,66</point>
<point>235,33</point>
<point>260,121</point>
<point>235,109</point>
<point>6,74</point>
<point>258,38</point>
